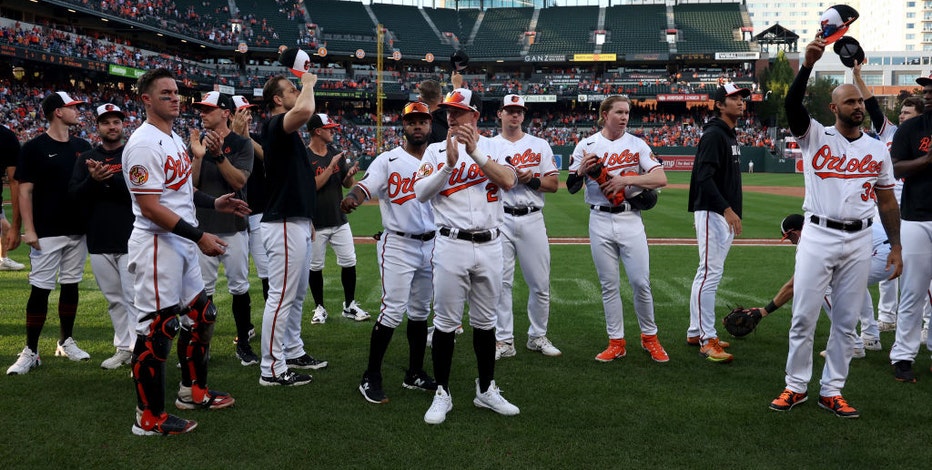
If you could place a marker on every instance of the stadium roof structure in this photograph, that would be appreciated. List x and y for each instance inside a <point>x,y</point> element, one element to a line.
<point>778,36</point>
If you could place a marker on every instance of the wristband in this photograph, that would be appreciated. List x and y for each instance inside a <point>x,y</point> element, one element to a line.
<point>534,184</point>
<point>204,200</point>
<point>771,307</point>
<point>186,230</point>
<point>479,157</point>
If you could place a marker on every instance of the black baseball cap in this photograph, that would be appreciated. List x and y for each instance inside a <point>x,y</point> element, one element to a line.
<point>849,51</point>
<point>923,81</point>
<point>215,99</point>
<point>56,100</point>
<point>730,89</point>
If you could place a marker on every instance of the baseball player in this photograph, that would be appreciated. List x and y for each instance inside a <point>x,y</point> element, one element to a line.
<point>715,199</point>
<point>405,249</point>
<point>97,181</point>
<point>912,107</point>
<point>847,175</point>
<point>222,163</point>
<point>523,233</point>
<point>53,227</point>
<point>287,229</point>
<point>464,182</point>
<point>617,231</point>
<point>256,192</point>
<point>9,233</point>
<point>163,258</point>
<point>912,161</point>
<point>791,228</point>
<point>333,173</point>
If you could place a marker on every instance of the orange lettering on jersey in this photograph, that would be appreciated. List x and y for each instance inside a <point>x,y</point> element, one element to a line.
<point>397,185</point>
<point>924,144</point>
<point>843,166</point>
<point>617,160</point>
<point>463,177</point>
<point>177,171</point>
<point>521,160</point>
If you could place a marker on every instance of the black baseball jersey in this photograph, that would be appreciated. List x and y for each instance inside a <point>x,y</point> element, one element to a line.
<point>239,152</point>
<point>9,149</point>
<point>48,164</point>
<point>715,183</point>
<point>913,140</point>
<point>327,211</point>
<point>108,207</point>
<point>288,173</point>
<point>256,192</point>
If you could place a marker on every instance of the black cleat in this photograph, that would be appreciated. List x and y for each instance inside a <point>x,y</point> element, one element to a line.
<point>419,381</point>
<point>903,372</point>
<point>306,362</point>
<point>371,390</point>
<point>245,355</point>
<point>288,379</point>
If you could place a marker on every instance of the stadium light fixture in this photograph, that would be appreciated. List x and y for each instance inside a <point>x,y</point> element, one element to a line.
<point>105,20</point>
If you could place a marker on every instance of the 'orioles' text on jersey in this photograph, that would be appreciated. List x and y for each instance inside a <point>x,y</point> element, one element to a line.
<point>625,154</point>
<point>467,195</point>
<point>390,177</point>
<point>840,175</point>
<point>157,163</point>
<point>528,153</point>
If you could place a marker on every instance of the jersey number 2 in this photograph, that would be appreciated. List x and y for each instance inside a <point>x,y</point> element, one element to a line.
<point>492,192</point>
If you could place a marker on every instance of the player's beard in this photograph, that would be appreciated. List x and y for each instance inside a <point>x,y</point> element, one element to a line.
<point>417,142</point>
<point>112,141</point>
<point>850,120</point>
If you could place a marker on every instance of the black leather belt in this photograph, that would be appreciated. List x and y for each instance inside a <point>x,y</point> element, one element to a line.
<point>521,210</point>
<point>611,209</point>
<point>475,237</point>
<point>418,236</point>
<point>853,226</point>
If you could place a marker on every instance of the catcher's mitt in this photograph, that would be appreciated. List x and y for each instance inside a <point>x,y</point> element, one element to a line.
<point>742,321</point>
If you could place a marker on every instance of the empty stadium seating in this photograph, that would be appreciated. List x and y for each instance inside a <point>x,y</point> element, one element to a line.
<point>565,30</point>
<point>500,33</point>
<point>413,35</point>
<point>636,29</point>
<point>708,28</point>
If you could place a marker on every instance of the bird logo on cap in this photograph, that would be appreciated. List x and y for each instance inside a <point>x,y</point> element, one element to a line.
<point>109,107</point>
<point>515,99</point>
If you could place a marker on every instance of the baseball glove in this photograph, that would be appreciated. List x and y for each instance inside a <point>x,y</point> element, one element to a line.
<point>644,200</point>
<point>742,321</point>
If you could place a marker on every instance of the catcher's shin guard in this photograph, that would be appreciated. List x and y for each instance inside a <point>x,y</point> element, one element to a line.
<point>149,357</point>
<point>194,344</point>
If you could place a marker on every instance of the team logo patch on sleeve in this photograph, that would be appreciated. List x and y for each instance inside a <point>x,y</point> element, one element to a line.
<point>425,170</point>
<point>138,175</point>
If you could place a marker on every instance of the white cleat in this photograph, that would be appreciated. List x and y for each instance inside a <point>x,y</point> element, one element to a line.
<point>122,357</point>
<point>71,350</point>
<point>493,400</point>
<point>442,404</point>
<point>542,344</point>
<point>27,361</point>
<point>354,312</point>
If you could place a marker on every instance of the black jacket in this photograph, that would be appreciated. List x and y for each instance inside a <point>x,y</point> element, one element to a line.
<point>715,183</point>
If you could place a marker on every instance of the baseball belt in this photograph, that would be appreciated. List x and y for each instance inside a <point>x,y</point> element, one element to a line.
<point>426,236</point>
<point>851,226</point>
<point>475,237</point>
<point>625,206</point>
<point>519,211</point>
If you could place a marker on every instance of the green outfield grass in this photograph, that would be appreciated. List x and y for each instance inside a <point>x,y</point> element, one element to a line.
<point>575,412</point>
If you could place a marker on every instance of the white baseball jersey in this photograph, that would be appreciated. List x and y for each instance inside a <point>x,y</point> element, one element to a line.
<point>157,163</point>
<point>635,156</point>
<point>467,194</point>
<point>841,186</point>
<point>528,153</point>
<point>390,178</point>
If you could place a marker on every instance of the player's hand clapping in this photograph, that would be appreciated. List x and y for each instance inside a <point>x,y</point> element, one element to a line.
<point>100,171</point>
<point>198,150</point>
